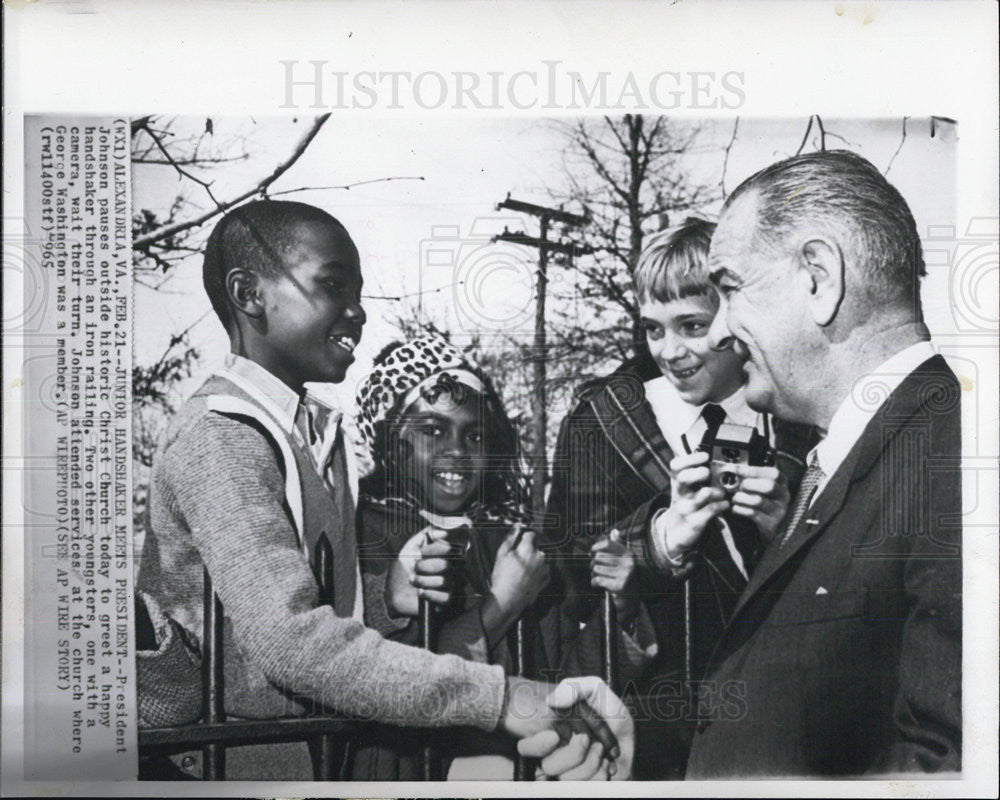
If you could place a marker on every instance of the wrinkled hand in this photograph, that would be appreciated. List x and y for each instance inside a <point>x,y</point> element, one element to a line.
<point>582,757</point>
<point>763,497</point>
<point>519,573</point>
<point>423,569</point>
<point>693,504</point>
<point>612,567</point>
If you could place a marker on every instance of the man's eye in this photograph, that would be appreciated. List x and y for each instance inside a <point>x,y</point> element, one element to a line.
<point>432,431</point>
<point>476,437</point>
<point>726,289</point>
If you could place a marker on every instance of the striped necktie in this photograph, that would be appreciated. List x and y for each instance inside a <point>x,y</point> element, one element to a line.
<point>804,496</point>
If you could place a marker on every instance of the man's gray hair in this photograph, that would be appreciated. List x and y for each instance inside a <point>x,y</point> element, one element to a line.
<point>845,192</point>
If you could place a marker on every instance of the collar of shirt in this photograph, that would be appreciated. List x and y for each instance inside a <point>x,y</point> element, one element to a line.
<point>322,423</point>
<point>675,416</point>
<point>275,396</point>
<point>856,410</point>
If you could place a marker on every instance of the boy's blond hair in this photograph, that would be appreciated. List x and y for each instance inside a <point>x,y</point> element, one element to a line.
<point>672,264</point>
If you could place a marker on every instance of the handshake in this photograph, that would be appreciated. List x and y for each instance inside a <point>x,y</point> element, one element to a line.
<point>579,729</point>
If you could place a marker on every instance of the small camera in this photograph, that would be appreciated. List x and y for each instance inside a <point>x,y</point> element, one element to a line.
<point>732,445</point>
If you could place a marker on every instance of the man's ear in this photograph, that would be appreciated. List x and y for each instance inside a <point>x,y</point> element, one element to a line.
<point>243,288</point>
<point>821,262</point>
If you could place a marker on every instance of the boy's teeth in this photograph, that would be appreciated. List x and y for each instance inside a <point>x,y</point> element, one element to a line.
<point>346,342</point>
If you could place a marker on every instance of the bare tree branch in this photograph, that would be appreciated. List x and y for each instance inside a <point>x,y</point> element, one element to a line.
<point>348,186</point>
<point>822,133</point>
<point>805,137</point>
<point>189,161</point>
<point>902,139</point>
<point>144,242</point>
<point>206,185</point>
<point>725,160</point>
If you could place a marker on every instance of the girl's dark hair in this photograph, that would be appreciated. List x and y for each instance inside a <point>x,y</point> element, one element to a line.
<point>504,483</point>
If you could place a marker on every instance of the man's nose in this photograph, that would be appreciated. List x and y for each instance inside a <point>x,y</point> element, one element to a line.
<point>719,335</point>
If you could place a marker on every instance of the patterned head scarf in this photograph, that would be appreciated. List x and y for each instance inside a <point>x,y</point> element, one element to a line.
<point>405,372</point>
<point>403,369</point>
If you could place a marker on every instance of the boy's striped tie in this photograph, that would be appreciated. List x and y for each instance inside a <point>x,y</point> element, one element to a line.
<point>804,496</point>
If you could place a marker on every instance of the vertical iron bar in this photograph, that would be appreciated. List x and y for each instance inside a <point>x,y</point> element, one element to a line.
<point>523,770</point>
<point>324,747</point>
<point>430,758</point>
<point>609,642</point>
<point>213,690</point>
<point>687,634</point>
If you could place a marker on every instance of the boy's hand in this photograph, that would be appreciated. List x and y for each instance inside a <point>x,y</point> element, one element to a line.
<point>763,497</point>
<point>423,569</point>
<point>583,757</point>
<point>693,504</point>
<point>612,566</point>
<point>519,573</point>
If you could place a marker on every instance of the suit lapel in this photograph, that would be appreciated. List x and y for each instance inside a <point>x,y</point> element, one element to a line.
<point>902,404</point>
<point>813,523</point>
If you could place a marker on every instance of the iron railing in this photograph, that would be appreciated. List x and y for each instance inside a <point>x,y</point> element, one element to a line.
<point>329,738</point>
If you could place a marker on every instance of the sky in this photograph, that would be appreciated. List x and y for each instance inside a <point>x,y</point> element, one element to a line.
<point>433,220</point>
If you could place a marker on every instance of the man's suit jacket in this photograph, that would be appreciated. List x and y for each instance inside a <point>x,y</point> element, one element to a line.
<point>843,655</point>
<point>610,471</point>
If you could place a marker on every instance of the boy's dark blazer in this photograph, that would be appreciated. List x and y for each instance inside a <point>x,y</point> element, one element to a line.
<point>844,652</point>
<point>610,471</point>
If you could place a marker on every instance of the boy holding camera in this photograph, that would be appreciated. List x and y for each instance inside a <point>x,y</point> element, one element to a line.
<point>662,465</point>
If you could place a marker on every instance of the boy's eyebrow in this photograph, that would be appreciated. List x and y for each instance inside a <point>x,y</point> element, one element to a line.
<point>334,265</point>
<point>691,315</point>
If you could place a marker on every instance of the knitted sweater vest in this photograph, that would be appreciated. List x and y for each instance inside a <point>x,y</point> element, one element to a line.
<point>322,511</point>
<point>328,533</point>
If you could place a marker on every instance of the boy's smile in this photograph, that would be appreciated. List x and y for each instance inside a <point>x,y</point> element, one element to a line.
<point>313,316</point>
<point>677,334</point>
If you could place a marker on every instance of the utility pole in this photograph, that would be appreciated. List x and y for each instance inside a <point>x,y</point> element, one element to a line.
<point>539,350</point>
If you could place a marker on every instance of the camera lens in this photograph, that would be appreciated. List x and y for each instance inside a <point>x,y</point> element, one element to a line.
<point>731,454</point>
<point>729,480</point>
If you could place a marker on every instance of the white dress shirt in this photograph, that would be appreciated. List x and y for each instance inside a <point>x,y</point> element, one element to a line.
<point>857,409</point>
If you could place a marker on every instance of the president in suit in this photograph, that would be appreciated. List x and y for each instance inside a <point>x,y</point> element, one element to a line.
<point>844,649</point>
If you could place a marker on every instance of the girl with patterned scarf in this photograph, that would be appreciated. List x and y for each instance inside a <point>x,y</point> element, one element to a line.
<point>447,484</point>
<point>448,494</point>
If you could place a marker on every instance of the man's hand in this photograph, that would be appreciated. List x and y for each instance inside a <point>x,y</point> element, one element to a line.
<point>423,569</point>
<point>763,497</point>
<point>582,758</point>
<point>693,504</point>
<point>612,567</point>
